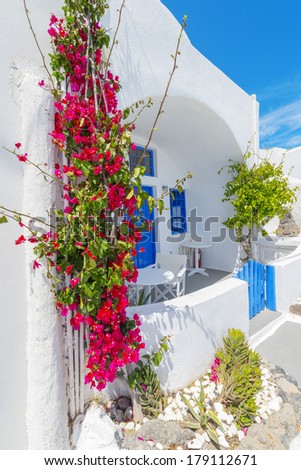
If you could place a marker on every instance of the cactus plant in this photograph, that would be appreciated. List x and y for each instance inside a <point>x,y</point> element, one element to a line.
<point>145,381</point>
<point>239,372</point>
<point>151,397</point>
<point>203,418</point>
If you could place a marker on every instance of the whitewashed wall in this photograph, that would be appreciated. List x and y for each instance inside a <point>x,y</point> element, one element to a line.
<point>196,323</point>
<point>208,120</point>
<point>288,275</point>
<point>27,387</point>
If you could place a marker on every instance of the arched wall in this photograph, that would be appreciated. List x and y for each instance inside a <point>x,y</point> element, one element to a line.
<point>191,137</point>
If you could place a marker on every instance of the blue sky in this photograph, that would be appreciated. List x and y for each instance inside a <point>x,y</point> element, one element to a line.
<point>257,43</point>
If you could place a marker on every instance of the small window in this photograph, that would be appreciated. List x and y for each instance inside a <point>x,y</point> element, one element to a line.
<point>178,211</point>
<point>148,160</point>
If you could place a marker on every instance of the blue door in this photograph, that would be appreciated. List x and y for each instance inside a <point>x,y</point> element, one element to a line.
<point>146,248</point>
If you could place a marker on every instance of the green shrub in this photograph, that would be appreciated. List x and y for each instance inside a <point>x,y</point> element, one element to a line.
<point>239,372</point>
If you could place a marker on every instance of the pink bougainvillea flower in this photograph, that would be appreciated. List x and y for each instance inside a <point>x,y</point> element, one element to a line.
<point>20,240</point>
<point>22,158</point>
<point>64,311</point>
<point>140,438</point>
<point>133,146</point>
<point>74,282</point>
<point>67,210</point>
<point>18,145</point>
<point>36,264</point>
<point>69,269</point>
<point>53,19</point>
<point>41,83</point>
<point>214,376</point>
<point>33,240</point>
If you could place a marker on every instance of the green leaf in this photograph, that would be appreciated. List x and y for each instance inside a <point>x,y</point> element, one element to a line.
<point>214,418</point>
<point>157,358</point>
<point>190,408</point>
<point>213,435</point>
<point>160,206</point>
<point>191,425</point>
<point>124,229</point>
<point>126,113</point>
<point>3,220</point>
<point>131,194</point>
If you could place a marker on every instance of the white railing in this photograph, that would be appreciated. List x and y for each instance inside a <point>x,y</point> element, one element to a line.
<point>268,250</point>
<point>75,348</point>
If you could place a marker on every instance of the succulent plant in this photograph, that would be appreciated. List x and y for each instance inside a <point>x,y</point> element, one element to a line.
<point>145,381</point>
<point>239,372</point>
<point>203,418</point>
<point>151,397</point>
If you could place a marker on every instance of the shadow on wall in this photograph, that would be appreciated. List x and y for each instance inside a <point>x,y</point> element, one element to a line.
<point>196,323</point>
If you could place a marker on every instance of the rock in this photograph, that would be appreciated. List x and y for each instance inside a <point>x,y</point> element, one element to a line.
<point>233,430</point>
<point>274,404</point>
<point>119,417</point>
<point>98,431</point>
<point>168,433</point>
<point>218,407</point>
<point>132,441</point>
<point>124,403</point>
<point>295,309</point>
<point>296,443</point>
<point>223,442</point>
<point>196,443</point>
<point>130,425</point>
<point>287,226</point>
<point>128,414</point>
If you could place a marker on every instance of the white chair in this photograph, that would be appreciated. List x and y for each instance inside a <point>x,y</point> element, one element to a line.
<point>177,265</point>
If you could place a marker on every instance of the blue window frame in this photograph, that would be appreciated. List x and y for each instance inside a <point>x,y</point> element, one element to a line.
<point>148,160</point>
<point>178,211</point>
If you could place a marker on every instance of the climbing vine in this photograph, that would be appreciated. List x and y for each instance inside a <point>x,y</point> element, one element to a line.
<point>90,243</point>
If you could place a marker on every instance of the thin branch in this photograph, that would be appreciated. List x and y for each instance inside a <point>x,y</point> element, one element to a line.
<point>114,39</point>
<point>160,110</point>
<point>20,214</point>
<point>147,105</point>
<point>38,45</point>
<point>178,183</point>
<point>29,162</point>
<point>87,57</point>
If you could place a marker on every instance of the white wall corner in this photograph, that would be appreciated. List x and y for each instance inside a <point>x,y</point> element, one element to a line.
<point>46,413</point>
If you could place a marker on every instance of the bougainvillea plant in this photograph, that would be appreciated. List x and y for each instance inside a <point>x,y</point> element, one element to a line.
<point>90,247</point>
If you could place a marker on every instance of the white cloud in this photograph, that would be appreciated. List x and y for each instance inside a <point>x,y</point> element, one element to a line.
<point>282,126</point>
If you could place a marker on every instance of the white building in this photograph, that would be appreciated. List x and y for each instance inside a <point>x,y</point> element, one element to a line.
<point>207,120</point>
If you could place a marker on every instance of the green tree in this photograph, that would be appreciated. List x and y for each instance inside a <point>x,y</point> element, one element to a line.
<point>258,192</point>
